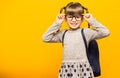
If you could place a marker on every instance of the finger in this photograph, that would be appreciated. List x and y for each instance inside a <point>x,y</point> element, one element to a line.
<point>62,14</point>
<point>83,14</point>
<point>60,17</point>
<point>87,16</point>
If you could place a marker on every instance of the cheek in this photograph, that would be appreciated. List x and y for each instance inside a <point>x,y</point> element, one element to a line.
<point>68,23</point>
<point>78,22</point>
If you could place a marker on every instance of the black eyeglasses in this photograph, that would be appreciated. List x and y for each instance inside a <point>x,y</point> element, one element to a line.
<point>70,17</point>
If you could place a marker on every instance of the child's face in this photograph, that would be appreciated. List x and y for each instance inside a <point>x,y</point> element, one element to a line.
<point>74,21</point>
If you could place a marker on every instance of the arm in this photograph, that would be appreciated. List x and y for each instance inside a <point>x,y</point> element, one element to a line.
<point>100,30</point>
<point>53,34</point>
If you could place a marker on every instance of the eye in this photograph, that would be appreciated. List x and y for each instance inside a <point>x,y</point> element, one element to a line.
<point>69,16</point>
<point>78,16</point>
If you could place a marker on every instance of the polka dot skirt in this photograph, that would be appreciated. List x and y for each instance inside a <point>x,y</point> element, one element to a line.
<point>75,70</point>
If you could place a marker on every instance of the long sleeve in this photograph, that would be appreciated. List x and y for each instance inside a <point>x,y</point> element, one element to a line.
<point>100,30</point>
<point>53,34</point>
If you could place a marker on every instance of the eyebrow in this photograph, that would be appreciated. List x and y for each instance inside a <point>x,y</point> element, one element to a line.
<point>74,13</point>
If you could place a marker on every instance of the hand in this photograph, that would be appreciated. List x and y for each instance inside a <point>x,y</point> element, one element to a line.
<point>87,16</point>
<point>60,18</point>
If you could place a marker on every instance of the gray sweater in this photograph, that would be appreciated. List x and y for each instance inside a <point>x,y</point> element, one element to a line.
<point>74,48</point>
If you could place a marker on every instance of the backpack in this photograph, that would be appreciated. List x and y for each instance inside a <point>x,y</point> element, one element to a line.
<point>92,52</point>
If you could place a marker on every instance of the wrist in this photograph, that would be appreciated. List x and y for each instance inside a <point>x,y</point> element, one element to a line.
<point>57,23</point>
<point>91,21</point>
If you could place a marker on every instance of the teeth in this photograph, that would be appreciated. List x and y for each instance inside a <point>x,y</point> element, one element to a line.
<point>74,24</point>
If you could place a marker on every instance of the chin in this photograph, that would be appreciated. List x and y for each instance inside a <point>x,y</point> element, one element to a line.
<point>74,28</point>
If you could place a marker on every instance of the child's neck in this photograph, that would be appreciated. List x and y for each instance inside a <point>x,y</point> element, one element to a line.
<point>71,29</point>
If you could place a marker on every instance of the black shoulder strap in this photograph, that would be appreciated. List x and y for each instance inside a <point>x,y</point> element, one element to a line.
<point>63,36</point>
<point>93,55</point>
<point>84,39</point>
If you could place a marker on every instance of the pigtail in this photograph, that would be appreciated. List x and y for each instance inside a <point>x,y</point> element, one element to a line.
<point>61,10</point>
<point>85,9</point>
<point>86,12</point>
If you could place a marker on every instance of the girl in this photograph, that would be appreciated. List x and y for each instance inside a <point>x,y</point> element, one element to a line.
<point>75,63</point>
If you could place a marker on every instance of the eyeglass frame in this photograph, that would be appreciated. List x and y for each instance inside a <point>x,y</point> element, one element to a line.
<point>70,19</point>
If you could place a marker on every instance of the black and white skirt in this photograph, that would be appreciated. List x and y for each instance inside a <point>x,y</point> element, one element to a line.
<point>75,70</point>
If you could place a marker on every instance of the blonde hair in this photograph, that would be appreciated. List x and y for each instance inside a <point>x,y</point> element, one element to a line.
<point>73,8</point>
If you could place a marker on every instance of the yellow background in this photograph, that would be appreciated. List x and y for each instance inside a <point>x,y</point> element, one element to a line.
<point>22,23</point>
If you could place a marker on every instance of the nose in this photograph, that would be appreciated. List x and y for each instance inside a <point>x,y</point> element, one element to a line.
<point>73,19</point>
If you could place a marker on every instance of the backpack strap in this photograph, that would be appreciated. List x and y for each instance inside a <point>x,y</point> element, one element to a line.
<point>84,39</point>
<point>63,37</point>
<point>92,54</point>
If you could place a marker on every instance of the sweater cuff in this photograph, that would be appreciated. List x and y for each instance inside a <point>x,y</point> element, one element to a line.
<point>57,23</point>
<point>92,21</point>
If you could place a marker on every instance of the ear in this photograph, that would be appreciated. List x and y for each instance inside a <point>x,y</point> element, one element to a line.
<point>65,18</point>
<point>82,20</point>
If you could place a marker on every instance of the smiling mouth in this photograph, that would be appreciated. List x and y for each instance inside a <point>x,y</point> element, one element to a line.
<point>74,24</point>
